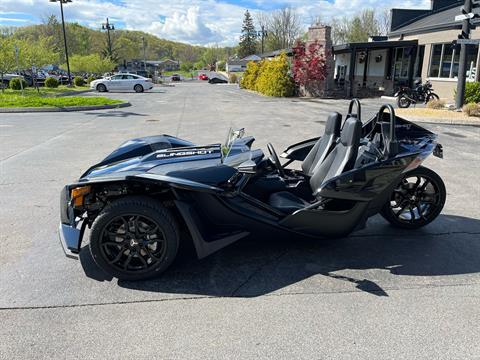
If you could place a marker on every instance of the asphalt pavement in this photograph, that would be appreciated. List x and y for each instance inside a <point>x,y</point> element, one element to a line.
<point>380,293</point>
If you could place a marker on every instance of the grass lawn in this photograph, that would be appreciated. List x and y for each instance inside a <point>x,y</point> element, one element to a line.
<point>44,91</point>
<point>49,98</point>
<point>185,74</point>
<point>434,114</point>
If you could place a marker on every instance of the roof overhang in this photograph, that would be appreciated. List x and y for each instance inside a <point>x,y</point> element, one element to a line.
<point>374,45</point>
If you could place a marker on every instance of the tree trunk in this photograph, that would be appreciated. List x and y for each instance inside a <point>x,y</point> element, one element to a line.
<point>1,84</point>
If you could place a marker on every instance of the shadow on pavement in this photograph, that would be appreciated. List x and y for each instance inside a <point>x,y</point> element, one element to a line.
<point>260,265</point>
<point>114,114</point>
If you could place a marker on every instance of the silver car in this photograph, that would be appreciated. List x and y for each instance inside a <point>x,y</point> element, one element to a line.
<point>119,82</point>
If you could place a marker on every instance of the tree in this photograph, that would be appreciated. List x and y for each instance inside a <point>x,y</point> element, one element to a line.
<point>248,40</point>
<point>356,29</point>
<point>309,63</point>
<point>384,21</point>
<point>7,57</point>
<point>91,64</point>
<point>284,27</point>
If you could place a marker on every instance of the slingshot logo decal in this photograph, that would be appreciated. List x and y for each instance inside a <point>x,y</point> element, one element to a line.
<point>185,153</point>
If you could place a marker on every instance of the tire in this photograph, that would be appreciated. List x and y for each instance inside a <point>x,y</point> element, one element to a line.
<point>147,237</point>
<point>403,102</point>
<point>101,88</point>
<point>138,88</point>
<point>432,96</point>
<point>410,206</point>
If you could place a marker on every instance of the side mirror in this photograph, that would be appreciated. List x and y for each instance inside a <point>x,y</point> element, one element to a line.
<point>247,167</point>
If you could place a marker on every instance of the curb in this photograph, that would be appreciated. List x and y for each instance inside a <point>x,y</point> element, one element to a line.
<point>70,93</point>
<point>64,109</point>
<point>475,123</point>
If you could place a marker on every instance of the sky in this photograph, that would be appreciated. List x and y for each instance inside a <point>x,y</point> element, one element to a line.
<point>198,22</point>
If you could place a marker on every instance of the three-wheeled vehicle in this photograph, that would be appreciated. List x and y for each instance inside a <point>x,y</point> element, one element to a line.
<point>139,197</point>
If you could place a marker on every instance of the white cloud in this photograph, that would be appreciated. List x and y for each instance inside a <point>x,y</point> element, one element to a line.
<point>193,21</point>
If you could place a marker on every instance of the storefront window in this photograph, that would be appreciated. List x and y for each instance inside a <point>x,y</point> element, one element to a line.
<point>444,61</point>
<point>435,60</point>
<point>401,63</point>
<point>419,61</point>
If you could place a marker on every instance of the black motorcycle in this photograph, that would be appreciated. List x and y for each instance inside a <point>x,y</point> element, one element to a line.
<point>421,93</point>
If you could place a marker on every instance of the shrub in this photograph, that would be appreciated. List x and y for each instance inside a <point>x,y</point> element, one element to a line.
<point>90,79</point>
<point>436,104</point>
<point>232,78</point>
<point>472,92</point>
<point>16,84</point>
<point>250,75</point>
<point>78,81</point>
<point>51,82</point>
<point>274,78</point>
<point>471,109</point>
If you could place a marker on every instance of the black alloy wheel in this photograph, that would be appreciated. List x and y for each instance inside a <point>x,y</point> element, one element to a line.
<point>134,238</point>
<point>417,200</point>
<point>403,102</point>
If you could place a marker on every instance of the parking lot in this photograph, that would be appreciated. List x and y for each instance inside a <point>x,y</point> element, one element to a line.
<point>380,293</point>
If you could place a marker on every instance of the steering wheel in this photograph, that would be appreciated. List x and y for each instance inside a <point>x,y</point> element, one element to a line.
<point>275,159</point>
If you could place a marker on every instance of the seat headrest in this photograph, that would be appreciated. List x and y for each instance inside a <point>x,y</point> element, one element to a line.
<point>351,132</point>
<point>333,125</point>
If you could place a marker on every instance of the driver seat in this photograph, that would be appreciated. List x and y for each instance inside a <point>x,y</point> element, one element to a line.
<point>324,145</point>
<point>342,158</point>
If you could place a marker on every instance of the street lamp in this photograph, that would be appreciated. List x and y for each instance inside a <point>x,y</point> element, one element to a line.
<point>263,34</point>
<point>64,36</point>
<point>109,27</point>
<point>144,56</point>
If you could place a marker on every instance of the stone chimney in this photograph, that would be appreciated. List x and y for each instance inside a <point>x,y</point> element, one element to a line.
<point>323,35</point>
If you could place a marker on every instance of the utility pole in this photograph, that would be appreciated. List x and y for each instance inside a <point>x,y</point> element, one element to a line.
<point>462,64</point>
<point>263,34</point>
<point>65,37</point>
<point>144,56</point>
<point>109,27</point>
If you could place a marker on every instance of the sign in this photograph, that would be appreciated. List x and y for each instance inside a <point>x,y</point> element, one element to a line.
<point>468,41</point>
<point>462,17</point>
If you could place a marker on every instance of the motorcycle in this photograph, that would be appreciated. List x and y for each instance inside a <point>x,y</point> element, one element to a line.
<point>422,93</point>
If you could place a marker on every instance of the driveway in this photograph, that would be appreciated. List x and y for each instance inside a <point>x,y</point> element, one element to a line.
<point>380,293</point>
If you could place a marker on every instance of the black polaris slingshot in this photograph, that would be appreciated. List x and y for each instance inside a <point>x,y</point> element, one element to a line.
<point>143,196</point>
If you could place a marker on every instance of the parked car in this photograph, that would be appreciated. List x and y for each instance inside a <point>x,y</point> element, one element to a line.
<point>122,82</point>
<point>138,199</point>
<point>176,77</point>
<point>217,80</point>
<point>203,77</point>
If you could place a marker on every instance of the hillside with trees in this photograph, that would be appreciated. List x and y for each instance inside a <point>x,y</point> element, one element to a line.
<point>126,44</point>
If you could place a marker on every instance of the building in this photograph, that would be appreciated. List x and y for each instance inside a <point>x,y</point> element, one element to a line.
<point>419,46</point>
<point>151,66</point>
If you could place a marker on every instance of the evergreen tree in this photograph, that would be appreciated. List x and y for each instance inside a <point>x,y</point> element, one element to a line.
<point>248,40</point>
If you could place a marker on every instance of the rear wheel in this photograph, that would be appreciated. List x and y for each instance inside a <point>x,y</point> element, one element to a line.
<point>417,200</point>
<point>101,88</point>
<point>134,238</point>
<point>138,88</point>
<point>403,102</point>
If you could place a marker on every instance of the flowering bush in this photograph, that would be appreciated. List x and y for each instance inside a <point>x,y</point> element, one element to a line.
<point>309,65</point>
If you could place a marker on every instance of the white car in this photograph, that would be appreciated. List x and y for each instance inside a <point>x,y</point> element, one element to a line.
<point>122,82</point>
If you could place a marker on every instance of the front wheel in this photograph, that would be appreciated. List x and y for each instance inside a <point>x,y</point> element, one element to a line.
<point>101,88</point>
<point>134,238</point>
<point>417,200</point>
<point>403,102</point>
<point>432,96</point>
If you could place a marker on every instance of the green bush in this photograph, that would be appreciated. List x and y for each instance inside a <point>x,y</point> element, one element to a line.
<point>90,79</point>
<point>16,84</point>
<point>274,78</point>
<point>250,75</point>
<point>471,109</point>
<point>51,82</point>
<point>78,81</point>
<point>472,92</point>
<point>232,78</point>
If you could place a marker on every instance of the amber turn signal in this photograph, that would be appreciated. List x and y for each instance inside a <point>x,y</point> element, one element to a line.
<point>78,195</point>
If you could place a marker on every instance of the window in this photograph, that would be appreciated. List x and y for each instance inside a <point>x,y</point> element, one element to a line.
<point>401,62</point>
<point>444,61</point>
<point>419,61</point>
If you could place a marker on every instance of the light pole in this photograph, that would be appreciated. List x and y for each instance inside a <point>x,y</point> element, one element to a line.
<point>144,56</point>
<point>263,34</point>
<point>109,27</point>
<point>65,37</point>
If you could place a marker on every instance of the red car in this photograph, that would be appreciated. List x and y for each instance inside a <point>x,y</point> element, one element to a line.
<point>203,77</point>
